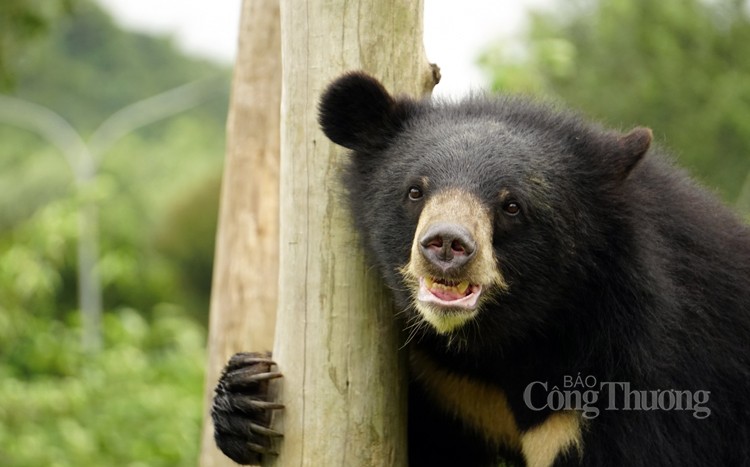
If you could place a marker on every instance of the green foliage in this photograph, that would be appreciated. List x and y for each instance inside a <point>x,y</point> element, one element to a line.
<point>141,179</point>
<point>21,22</point>
<point>138,402</point>
<point>45,175</point>
<point>141,183</point>
<point>678,66</point>
<point>106,69</point>
<point>182,233</point>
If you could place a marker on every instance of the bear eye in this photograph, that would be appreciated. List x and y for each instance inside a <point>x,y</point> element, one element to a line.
<point>512,208</point>
<point>415,193</point>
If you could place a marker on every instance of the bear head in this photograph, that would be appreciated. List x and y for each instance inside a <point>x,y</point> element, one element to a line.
<point>486,215</point>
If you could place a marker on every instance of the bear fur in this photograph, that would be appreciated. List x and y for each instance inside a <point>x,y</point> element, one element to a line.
<point>536,256</point>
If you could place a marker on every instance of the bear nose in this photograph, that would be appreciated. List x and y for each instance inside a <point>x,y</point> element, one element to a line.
<point>447,246</point>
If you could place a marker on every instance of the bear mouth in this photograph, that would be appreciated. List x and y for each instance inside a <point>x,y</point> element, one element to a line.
<point>449,293</point>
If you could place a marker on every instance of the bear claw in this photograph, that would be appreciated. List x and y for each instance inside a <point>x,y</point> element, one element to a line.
<point>241,409</point>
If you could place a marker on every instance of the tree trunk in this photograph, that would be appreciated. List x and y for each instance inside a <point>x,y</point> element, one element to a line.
<point>336,339</point>
<point>243,298</point>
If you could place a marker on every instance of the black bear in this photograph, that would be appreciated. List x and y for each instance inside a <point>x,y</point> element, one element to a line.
<point>571,298</point>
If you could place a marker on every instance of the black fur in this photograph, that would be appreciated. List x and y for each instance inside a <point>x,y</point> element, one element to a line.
<point>619,267</point>
<point>361,114</point>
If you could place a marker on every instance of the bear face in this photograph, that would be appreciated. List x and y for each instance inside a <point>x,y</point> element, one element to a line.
<point>474,212</point>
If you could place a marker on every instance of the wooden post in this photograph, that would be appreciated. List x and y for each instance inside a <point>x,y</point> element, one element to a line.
<point>243,298</point>
<point>336,338</point>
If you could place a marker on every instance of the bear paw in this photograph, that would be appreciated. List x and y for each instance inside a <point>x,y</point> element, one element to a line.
<point>241,409</point>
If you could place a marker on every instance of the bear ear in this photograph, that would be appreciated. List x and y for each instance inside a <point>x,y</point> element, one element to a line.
<point>358,113</point>
<point>629,150</point>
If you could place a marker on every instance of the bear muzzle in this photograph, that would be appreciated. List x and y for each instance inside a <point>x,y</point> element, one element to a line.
<point>452,263</point>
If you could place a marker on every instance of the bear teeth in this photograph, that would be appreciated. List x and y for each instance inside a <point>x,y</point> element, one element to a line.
<point>437,284</point>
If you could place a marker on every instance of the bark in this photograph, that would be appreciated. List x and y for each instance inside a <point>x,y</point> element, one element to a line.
<point>337,341</point>
<point>243,299</point>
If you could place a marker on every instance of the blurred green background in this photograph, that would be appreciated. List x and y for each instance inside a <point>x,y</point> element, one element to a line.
<point>681,67</point>
<point>137,401</point>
